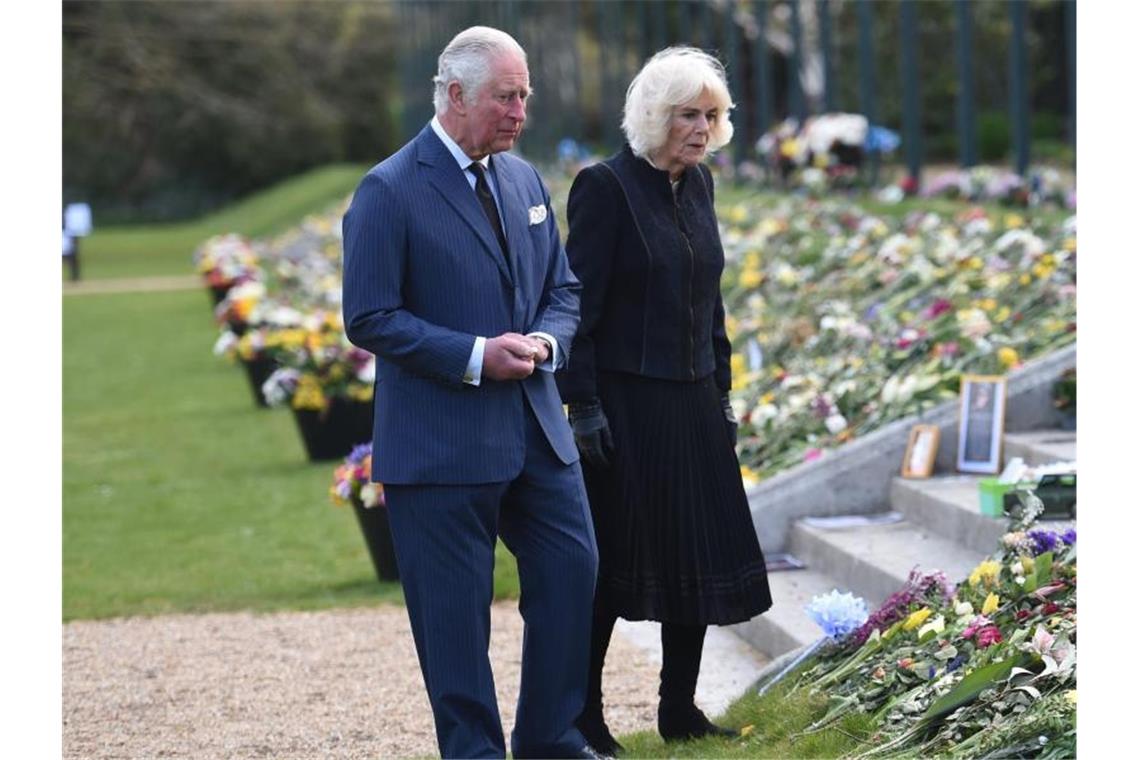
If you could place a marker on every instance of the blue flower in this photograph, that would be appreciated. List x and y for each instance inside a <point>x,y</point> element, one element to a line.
<point>955,663</point>
<point>837,614</point>
<point>1069,536</point>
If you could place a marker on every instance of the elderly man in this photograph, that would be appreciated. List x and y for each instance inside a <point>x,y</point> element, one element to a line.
<point>456,279</point>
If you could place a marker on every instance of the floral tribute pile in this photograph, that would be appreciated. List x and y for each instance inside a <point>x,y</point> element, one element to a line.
<point>842,321</point>
<point>284,309</point>
<point>965,671</point>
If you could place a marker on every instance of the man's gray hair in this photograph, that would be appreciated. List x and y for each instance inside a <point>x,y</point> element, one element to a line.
<point>671,78</point>
<point>466,60</point>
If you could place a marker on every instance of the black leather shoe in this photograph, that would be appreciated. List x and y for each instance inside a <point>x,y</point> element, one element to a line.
<point>593,727</point>
<point>680,722</point>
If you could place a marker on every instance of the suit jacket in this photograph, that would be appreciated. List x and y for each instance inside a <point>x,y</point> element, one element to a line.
<point>423,276</point>
<point>650,263</point>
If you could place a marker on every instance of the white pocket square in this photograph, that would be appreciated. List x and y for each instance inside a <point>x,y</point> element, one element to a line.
<point>537,214</point>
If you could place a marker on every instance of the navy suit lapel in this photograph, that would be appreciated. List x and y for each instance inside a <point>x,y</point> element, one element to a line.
<point>446,176</point>
<point>515,224</point>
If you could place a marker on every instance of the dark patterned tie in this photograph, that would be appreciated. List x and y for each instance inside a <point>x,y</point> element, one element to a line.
<point>487,201</point>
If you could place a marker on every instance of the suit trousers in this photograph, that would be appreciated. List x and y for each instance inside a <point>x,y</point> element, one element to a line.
<point>445,536</point>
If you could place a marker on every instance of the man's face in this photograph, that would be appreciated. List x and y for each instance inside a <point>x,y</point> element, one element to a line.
<point>496,115</point>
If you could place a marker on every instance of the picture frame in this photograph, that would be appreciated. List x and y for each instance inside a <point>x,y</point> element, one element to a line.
<point>921,451</point>
<point>981,423</point>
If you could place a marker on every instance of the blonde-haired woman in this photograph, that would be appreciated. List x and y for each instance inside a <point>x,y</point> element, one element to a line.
<point>647,386</point>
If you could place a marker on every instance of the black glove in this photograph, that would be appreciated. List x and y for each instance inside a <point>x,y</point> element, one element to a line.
<point>730,417</point>
<point>591,433</point>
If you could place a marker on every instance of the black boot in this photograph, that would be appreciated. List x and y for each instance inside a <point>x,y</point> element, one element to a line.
<point>678,717</point>
<point>592,721</point>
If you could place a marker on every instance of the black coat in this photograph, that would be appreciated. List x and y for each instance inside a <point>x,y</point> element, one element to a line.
<point>650,265</point>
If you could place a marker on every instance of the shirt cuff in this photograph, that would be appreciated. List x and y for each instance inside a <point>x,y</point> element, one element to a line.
<point>474,371</point>
<point>552,360</point>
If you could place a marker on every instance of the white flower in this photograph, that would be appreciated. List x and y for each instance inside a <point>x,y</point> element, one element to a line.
<point>367,373</point>
<point>370,494</point>
<point>225,342</point>
<point>836,423</point>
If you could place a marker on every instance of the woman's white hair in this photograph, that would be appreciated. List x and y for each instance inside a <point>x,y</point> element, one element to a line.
<point>466,60</point>
<point>671,78</point>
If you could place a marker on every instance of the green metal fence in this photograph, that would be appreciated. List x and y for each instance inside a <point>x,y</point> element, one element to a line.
<point>928,70</point>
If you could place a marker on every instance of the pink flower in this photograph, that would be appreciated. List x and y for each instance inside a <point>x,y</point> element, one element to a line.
<point>812,454</point>
<point>988,635</point>
<point>977,624</point>
<point>939,307</point>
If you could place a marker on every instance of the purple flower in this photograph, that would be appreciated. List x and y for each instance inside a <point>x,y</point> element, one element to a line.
<point>919,589</point>
<point>956,663</point>
<point>1043,541</point>
<point>356,456</point>
<point>1069,537</point>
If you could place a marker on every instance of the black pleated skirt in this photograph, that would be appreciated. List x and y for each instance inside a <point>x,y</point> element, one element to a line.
<point>675,536</point>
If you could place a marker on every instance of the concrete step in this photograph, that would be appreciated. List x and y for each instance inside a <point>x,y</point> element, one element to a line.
<point>875,561</point>
<point>1042,446</point>
<point>786,626</point>
<point>949,506</point>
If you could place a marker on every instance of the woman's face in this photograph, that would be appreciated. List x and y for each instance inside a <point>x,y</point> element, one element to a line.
<point>688,137</point>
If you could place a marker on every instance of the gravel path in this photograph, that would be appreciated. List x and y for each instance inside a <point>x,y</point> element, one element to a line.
<point>335,684</point>
<point>133,285</point>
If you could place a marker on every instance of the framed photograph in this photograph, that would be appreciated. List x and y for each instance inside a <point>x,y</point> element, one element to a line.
<point>981,422</point>
<point>921,449</point>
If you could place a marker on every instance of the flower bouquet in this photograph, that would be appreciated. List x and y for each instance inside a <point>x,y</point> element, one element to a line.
<point>987,665</point>
<point>327,382</point>
<point>224,261</point>
<point>353,486</point>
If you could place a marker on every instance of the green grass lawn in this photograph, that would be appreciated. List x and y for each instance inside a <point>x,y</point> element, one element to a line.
<point>774,726</point>
<point>165,249</point>
<point>178,493</point>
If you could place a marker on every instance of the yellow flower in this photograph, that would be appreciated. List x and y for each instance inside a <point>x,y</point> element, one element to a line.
<point>991,604</point>
<point>309,394</point>
<point>731,326</point>
<point>768,398</point>
<point>770,227</point>
<point>859,258</point>
<point>987,572</point>
<point>738,365</point>
<point>751,278</point>
<point>1025,279</point>
<point>1070,245</point>
<point>746,730</point>
<point>988,304</point>
<point>1014,221</point>
<point>1002,315</point>
<point>1070,697</point>
<point>916,619</point>
<point>737,214</point>
<point>1042,270</point>
<point>748,475</point>
<point>1008,357</point>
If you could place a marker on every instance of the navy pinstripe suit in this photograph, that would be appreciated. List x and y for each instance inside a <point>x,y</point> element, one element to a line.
<point>423,276</point>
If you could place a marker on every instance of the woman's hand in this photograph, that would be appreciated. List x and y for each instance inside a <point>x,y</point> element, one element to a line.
<point>592,433</point>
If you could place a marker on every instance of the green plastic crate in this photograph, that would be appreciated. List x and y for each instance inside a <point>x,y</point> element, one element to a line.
<point>991,495</point>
